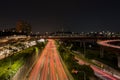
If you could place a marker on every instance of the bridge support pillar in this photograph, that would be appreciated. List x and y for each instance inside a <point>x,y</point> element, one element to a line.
<point>84,47</point>
<point>80,44</point>
<point>101,52</point>
<point>119,61</point>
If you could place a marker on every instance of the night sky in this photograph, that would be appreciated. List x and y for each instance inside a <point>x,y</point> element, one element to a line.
<point>72,15</point>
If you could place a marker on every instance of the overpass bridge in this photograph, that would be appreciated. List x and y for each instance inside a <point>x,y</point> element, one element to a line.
<point>81,39</point>
<point>106,44</point>
<point>78,37</point>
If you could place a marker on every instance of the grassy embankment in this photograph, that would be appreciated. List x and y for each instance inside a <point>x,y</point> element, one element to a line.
<point>10,65</point>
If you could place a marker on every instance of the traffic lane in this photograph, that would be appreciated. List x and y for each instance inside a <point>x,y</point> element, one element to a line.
<point>97,70</point>
<point>60,69</point>
<point>35,71</point>
<point>54,69</point>
<point>105,75</point>
<point>45,67</point>
<point>102,77</point>
<point>53,74</point>
<point>61,75</point>
<point>43,74</point>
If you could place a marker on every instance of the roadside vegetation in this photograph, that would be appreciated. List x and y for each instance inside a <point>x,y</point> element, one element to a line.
<point>79,72</point>
<point>93,53</point>
<point>11,64</point>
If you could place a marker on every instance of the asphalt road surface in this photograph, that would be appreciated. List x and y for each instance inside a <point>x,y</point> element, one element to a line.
<point>98,72</point>
<point>48,66</point>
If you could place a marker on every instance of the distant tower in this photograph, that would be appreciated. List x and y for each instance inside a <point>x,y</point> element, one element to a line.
<point>19,26</point>
<point>23,27</point>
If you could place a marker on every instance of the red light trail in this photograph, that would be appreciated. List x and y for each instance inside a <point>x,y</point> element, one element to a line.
<point>48,66</point>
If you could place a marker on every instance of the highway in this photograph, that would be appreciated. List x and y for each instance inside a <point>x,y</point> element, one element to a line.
<point>98,72</point>
<point>48,66</point>
<point>106,43</point>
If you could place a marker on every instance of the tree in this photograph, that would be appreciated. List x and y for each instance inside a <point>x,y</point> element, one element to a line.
<point>87,69</point>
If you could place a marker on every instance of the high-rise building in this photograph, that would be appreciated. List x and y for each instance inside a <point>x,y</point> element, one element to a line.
<point>19,26</point>
<point>23,27</point>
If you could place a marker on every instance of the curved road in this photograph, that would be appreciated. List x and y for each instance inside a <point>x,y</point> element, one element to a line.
<point>48,66</point>
<point>98,72</point>
<point>106,43</point>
